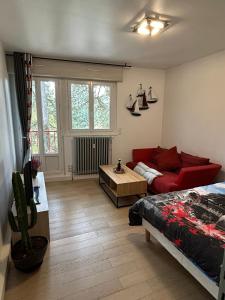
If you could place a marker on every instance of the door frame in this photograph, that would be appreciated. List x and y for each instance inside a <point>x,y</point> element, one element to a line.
<point>44,156</point>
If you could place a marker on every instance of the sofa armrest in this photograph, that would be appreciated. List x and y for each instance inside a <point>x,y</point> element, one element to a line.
<point>196,176</point>
<point>173,187</point>
<point>144,154</point>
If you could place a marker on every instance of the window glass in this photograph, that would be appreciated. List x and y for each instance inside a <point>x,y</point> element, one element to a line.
<point>49,117</point>
<point>101,107</point>
<point>34,134</point>
<point>80,106</point>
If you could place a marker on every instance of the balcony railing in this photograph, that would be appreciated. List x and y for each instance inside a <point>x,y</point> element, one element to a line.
<point>50,139</point>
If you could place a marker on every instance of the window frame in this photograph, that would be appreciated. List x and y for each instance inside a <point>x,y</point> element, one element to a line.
<point>113,105</point>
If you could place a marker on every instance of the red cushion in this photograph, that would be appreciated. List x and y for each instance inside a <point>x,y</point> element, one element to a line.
<point>132,165</point>
<point>162,184</point>
<point>188,160</point>
<point>168,160</point>
<point>142,154</point>
<point>155,153</point>
<point>151,165</point>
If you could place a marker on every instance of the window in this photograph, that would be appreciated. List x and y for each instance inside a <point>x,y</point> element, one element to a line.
<point>80,106</point>
<point>44,128</point>
<point>49,117</point>
<point>101,107</point>
<point>91,105</point>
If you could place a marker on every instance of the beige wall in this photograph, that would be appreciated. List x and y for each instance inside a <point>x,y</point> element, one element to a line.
<point>7,163</point>
<point>194,109</point>
<point>143,131</point>
<point>132,132</point>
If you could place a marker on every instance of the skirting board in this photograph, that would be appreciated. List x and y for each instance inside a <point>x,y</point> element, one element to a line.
<point>55,178</point>
<point>84,177</point>
<point>205,281</point>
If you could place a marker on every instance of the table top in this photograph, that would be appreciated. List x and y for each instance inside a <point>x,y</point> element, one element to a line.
<point>128,177</point>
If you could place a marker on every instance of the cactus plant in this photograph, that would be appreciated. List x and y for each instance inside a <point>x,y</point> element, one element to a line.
<point>22,222</point>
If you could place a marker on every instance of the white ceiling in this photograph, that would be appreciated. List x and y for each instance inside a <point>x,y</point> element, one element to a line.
<point>98,30</point>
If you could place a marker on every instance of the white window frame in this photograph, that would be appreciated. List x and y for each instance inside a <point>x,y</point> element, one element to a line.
<point>113,107</point>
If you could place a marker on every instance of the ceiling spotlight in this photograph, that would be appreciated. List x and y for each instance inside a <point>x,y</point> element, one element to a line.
<point>150,26</point>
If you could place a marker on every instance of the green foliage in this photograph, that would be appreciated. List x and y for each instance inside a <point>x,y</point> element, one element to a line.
<point>48,118</point>
<point>101,107</point>
<point>21,223</point>
<point>80,106</point>
<point>86,99</point>
<point>48,98</point>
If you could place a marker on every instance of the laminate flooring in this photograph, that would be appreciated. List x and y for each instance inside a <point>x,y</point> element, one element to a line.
<point>94,254</point>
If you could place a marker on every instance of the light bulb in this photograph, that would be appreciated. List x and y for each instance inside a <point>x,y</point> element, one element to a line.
<point>144,23</point>
<point>150,26</point>
<point>157,24</point>
<point>143,30</point>
<point>155,31</point>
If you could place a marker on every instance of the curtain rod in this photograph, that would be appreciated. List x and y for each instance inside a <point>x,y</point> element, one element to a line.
<point>125,65</point>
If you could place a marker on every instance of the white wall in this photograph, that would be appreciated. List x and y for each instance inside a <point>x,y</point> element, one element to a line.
<point>133,132</point>
<point>194,109</point>
<point>7,162</point>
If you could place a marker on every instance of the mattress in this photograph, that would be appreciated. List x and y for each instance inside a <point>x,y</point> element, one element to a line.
<point>193,220</point>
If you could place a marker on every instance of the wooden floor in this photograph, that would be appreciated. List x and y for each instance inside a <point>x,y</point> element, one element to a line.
<point>94,254</point>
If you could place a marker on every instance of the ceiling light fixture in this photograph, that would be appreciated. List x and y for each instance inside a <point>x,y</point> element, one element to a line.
<point>150,26</point>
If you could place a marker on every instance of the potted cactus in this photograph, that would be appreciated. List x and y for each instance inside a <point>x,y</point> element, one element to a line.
<point>27,253</point>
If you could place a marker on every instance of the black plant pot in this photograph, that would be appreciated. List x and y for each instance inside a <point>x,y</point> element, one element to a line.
<point>28,262</point>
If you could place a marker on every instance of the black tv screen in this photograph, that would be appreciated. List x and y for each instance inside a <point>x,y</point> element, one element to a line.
<point>27,175</point>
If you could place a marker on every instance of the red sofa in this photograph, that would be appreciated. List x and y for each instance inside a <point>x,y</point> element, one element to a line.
<point>187,176</point>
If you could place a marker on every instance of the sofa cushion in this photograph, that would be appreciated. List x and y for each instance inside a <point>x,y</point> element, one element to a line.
<point>168,160</point>
<point>162,184</point>
<point>188,160</point>
<point>151,165</point>
<point>132,165</point>
<point>142,154</point>
<point>155,153</point>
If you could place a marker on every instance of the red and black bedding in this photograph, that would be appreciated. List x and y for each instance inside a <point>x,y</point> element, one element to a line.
<point>194,220</point>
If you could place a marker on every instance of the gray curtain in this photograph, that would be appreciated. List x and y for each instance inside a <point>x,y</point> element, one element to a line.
<point>17,129</point>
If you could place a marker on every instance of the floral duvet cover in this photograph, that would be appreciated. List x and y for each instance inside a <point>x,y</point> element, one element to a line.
<point>194,220</point>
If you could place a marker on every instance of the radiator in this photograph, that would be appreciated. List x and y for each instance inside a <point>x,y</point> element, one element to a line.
<point>91,152</point>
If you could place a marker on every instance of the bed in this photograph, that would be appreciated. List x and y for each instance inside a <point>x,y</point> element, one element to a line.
<point>190,224</point>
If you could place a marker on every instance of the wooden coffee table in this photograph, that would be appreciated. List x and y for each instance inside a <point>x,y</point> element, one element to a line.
<point>121,185</point>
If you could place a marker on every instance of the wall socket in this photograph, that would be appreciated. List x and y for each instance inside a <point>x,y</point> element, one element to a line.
<point>70,168</point>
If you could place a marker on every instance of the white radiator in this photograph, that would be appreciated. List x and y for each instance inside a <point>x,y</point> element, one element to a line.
<point>90,152</point>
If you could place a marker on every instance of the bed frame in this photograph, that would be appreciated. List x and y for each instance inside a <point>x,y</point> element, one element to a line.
<point>204,280</point>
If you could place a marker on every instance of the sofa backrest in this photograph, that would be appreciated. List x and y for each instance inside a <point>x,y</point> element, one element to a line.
<point>188,160</point>
<point>149,154</point>
<point>197,175</point>
<point>143,155</point>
